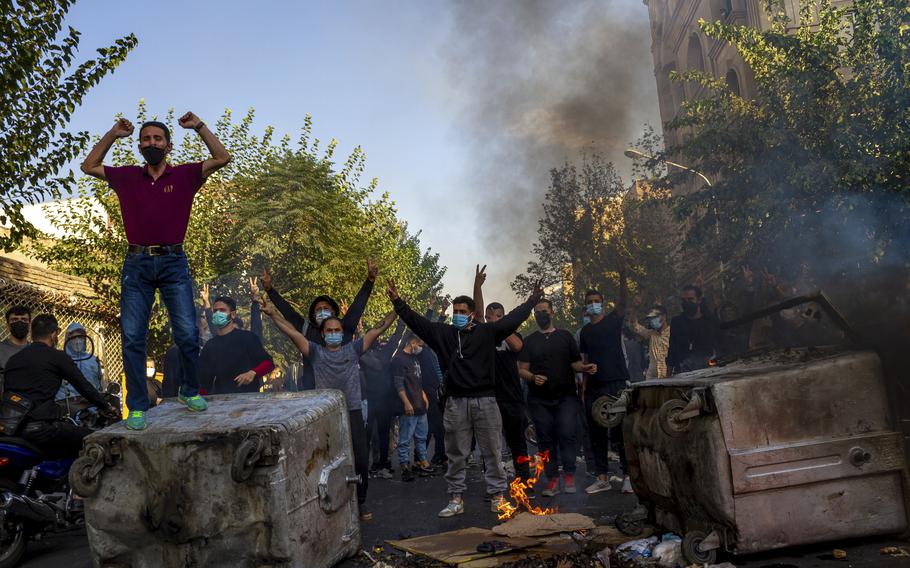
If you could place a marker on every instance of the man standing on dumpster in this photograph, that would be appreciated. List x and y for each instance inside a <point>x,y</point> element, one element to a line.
<point>467,355</point>
<point>155,201</point>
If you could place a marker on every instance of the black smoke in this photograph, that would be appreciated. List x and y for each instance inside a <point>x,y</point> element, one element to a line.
<point>542,83</point>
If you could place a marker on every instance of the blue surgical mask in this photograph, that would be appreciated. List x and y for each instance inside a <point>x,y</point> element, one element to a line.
<point>656,323</point>
<point>461,321</point>
<point>585,320</point>
<point>334,338</point>
<point>595,308</point>
<point>220,319</point>
<point>323,315</point>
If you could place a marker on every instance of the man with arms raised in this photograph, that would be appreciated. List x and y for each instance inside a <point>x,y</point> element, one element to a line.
<point>155,201</point>
<point>467,356</point>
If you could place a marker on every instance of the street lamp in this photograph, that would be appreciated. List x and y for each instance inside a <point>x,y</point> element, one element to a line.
<point>635,154</point>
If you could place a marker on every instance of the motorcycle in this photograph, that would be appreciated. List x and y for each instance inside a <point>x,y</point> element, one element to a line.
<point>35,494</point>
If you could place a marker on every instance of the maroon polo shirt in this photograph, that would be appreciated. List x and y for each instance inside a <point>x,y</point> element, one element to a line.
<point>155,212</point>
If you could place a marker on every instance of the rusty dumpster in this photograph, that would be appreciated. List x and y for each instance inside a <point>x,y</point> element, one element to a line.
<point>789,447</point>
<point>256,480</point>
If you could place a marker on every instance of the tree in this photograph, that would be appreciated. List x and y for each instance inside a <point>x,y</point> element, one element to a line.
<point>811,174</point>
<point>592,233</point>
<point>38,94</point>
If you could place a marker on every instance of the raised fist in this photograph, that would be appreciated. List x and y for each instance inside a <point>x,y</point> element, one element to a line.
<point>189,120</point>
<point>122,128</point>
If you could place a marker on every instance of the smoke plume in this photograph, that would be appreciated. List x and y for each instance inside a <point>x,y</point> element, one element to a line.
<point>543,82</point>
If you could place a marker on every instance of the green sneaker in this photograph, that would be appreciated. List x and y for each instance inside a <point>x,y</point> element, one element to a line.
<point>194,403</point>
<point>136,420</point>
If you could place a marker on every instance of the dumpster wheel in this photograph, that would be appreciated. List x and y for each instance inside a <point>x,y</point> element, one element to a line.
<point>83,482</point>
<point>691,549</point>
<point>667,418</point>
<point>632,523</point>
<point>602,413</point>
<point>245,458</point>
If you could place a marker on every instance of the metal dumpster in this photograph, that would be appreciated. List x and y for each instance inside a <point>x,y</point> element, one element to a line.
<point>256,480</point>
<point>790,447</point>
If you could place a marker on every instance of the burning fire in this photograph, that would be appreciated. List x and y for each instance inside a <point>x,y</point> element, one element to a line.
<point>519,487</point>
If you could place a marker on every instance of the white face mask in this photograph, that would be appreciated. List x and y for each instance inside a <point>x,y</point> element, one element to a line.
<point>416,350</point>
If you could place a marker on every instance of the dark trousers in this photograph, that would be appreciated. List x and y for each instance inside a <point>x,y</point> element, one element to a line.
<point>142,275</point>
<point>379,424</point>
<point>603,438</point>
<point>437,430</point>
<point>514,423</point>
<point>555,423</point>
<point>361,453</point>
<point>56,440</point>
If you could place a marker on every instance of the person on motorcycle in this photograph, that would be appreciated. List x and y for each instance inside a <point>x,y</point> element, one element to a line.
<point>76,346</point>
<point>36,373</point>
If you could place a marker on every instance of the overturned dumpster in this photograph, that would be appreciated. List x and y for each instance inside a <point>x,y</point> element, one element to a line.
<point>256,480</point>
<point>773,449</point>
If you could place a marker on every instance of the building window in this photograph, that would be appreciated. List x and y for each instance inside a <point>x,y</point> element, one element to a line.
<point>733,82</point>
<point>694,58</point>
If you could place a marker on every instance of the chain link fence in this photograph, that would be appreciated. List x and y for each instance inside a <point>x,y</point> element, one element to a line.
<point>103,328</point>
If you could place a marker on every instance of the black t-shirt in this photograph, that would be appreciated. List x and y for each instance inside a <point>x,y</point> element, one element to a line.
<point>551,355</point>
<point>226,356</point>
<point>602,343</point>
<point>508,383</point>
<point>407,375</point>
<point>38,370</point>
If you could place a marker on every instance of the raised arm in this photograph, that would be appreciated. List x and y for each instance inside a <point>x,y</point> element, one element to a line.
<point>632,320</point>
<point>359,305</point>
<point>287,310</point>
<point>370,336</point>
<point>303,345</point>
<point>623,299</point>
<point>93,165</point>
<point>480,276</point>
<point>220,155</point>
<point>510,322</point>
<point>424,328</point>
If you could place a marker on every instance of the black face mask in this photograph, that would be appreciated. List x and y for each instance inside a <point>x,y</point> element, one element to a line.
<point>543,319</point>
<point>689,308</point>
<point>153,154</point>
<point>19,329</point>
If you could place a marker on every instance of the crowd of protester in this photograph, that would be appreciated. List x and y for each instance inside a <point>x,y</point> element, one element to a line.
<point>436,391</point>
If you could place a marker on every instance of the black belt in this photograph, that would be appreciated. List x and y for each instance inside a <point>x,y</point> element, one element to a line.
<point>156,250</point>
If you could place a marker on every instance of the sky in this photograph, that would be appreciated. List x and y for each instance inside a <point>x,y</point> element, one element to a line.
<point>409,82</point>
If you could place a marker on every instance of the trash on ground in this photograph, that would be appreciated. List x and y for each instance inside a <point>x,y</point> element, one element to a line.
<point>894,551</point>
<point>457,547</point>
<point>527,525</point>
<point>839,554</point>
<point>604,557</point>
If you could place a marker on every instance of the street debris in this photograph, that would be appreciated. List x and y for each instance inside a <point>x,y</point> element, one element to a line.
<point>462,546</point>
<point>899,551</point>
<point>528,525</point>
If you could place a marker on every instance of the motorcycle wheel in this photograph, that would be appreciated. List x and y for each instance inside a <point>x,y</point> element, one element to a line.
<point>13,541</point>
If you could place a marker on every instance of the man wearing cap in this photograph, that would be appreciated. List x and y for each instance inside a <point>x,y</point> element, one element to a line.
<point>76,346</point>
<point>155,202</point>
<point>657,331</point>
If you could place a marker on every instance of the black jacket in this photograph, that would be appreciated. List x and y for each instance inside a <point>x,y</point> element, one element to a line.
<point>467,357</point>
<point>37,371</point>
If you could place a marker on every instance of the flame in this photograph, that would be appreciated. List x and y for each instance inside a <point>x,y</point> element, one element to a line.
<point>519,487</point>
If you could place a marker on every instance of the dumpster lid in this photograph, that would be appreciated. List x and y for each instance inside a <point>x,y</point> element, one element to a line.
<point>752,365</point>
<point>232,413</point>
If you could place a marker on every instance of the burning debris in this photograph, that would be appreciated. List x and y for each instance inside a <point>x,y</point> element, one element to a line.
<point>518,490</point>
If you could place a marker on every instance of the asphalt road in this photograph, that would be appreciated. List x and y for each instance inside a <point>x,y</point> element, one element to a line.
<point>409,509</point>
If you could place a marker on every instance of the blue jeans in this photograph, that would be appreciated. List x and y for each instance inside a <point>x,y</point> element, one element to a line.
<point>142,275</point>
<point>408,427</point>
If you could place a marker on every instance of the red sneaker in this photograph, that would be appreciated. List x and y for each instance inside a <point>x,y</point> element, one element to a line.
<point>552,488</point>
<point>568,481</point>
